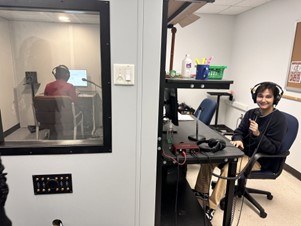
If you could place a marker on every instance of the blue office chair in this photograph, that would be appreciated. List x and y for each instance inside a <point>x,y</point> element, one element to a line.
<point>206,110</point>
<point>273,172</point>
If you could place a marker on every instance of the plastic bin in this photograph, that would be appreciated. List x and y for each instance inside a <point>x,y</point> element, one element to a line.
<point>216,72</point>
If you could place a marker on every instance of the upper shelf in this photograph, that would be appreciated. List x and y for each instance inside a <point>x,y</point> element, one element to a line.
<point>182,12</point>
<point>197,84</point>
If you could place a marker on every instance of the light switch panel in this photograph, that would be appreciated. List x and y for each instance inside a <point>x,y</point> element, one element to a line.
<point>124,74</point>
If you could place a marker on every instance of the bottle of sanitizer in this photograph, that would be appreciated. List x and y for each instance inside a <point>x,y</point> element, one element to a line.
<point>186,66</point>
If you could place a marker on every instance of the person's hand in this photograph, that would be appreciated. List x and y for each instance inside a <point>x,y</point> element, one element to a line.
<point>254,128</point>
<point>238,143</point>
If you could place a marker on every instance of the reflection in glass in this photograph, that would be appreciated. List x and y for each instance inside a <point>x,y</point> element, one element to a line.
<point>35,43</point>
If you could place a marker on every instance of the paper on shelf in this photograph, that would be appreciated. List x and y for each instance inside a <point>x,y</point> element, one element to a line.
<point>185,117</point>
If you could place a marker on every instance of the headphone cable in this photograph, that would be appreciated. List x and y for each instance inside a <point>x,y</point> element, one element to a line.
<point>251,158</point>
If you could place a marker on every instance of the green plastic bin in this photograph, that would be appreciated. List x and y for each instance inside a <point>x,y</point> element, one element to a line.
<point>216,72</point>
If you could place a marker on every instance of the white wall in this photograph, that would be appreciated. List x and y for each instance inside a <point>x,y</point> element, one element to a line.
<point>256,46</point>
<point>41,46</point>
<point>261,52</point>
<point>211,35</point>
<point>117,188</point>
<point>8,104</point>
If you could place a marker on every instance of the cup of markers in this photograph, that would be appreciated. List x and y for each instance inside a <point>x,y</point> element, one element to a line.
<point>202,69</point>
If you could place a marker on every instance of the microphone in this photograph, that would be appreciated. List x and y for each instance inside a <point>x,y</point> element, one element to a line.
<point>257,113</point>
<point>86,80</point>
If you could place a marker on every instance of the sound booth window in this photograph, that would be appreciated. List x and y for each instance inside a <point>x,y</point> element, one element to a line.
<point>55,57</point>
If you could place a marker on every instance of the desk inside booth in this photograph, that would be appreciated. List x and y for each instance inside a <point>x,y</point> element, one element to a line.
<point>89,103</point>
<point>189,210</point>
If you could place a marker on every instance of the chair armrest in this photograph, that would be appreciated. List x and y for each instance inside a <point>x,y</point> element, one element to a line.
<point>262,155</point>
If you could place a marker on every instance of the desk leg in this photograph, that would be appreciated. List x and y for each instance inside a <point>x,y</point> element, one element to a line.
<point>216,111</point>
<point>229,194</point>
<point>93,117</point>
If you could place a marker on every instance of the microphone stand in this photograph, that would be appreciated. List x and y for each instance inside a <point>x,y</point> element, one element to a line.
<point>96,85</point>
<point>86,80</point>
<point>197,137</point>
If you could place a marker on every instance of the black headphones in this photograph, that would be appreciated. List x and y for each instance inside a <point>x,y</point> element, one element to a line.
<point>61,71</point>
<point>213,145</point>
<point>277,97</point>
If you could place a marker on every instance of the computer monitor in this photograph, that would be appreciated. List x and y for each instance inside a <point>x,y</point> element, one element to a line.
<point>171,105</point>
<point>77,76</point>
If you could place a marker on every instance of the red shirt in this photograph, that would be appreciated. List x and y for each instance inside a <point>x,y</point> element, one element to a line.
<point>60,88</point>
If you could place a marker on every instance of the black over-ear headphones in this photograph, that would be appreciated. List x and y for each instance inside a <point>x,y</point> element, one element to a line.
<point>60,70</point>
<point>213,145</point>
<point>254,91</point>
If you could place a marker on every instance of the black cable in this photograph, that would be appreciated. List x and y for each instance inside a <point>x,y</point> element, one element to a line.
<point>253,155</point>
<point>177,193</point>
<point>193,154</point>
<point>251,158</point>
<point>241,172</point>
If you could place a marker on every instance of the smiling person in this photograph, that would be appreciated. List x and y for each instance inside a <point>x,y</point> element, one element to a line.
<point>262,130</point>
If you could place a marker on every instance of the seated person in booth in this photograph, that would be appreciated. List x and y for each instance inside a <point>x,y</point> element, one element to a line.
<point>61,87</point>
<point>4,220</point>
<point>261,129</point>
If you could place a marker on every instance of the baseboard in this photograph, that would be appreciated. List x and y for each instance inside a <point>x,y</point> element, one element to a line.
<point>292,171</point>
<point>11,130</point>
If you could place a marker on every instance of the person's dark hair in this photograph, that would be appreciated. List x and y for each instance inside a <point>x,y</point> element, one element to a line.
<point>260,87</point>
<point>270,86</point>
<point>61,72</point>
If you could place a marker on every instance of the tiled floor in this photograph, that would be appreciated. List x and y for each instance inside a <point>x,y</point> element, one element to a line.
<point>283,209</point>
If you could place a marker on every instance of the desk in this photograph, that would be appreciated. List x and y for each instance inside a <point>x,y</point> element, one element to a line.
<point>89,104</point>
<point>221,128</point>
<point>229,154</point>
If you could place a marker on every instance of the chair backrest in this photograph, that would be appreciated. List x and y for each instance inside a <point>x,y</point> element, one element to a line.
<point>206,110</point>
<point>291,133</point>
<point>54,111</point>
<point>288,140</point>
<point>275,169</point>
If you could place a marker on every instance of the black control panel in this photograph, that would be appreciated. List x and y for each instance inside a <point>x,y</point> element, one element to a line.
<point>52,184</point>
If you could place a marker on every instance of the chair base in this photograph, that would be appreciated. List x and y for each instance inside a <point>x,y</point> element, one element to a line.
<point>240,191</point>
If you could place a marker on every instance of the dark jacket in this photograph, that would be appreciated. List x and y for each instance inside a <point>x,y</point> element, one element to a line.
<point>272,130</point>
<point>4,221</point>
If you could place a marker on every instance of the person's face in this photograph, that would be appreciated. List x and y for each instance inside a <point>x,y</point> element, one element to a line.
<point>265,100</point>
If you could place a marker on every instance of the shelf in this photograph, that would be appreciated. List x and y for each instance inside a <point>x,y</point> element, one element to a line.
<point>197,84</point>
<point>189,211</point>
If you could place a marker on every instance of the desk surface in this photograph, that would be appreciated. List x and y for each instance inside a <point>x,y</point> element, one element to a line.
<point>188,208</point>
<point>87,94</point>
<point>188,128</point>
<point>198,84</point>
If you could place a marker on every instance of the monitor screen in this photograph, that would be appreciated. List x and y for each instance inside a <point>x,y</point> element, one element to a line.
<point>76,78</point>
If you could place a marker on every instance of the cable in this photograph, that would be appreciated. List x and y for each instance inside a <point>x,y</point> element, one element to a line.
<point>175,161</point>
<point>204,204</point>
<point>251,158</point>
<point>177,193</point>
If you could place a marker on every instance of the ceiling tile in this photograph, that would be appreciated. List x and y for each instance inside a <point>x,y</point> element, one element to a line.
<point>212,9</point>
<point>234,10</point>
<point>252,3</point>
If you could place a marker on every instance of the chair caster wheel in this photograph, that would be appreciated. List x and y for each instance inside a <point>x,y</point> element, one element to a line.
<point>269,197</point>
<point>263,214</point>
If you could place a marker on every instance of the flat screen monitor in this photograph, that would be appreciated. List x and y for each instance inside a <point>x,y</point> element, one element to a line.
<point>77,76</point>
<point>171,105</point>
